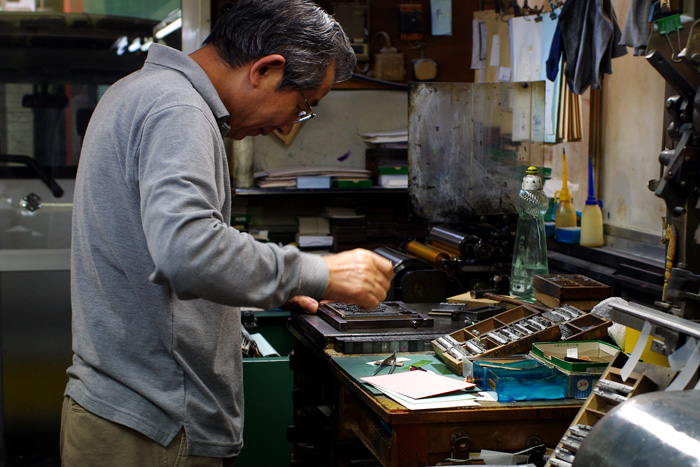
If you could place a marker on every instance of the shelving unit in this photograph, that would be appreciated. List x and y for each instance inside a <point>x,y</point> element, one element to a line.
<point>318,191</point>
<point>597,406</point>
<point>387,218</point>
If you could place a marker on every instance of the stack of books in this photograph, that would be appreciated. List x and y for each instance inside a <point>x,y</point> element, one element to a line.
<point>314,234</point>
<point>308,177</point>
<point>393,176</point>
<point>386,163</point>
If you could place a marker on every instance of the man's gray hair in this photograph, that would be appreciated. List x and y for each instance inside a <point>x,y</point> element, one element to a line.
<point>299,30</point>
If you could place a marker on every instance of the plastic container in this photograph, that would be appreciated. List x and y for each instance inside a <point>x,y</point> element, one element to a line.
<point>526,380</point>
<point>530,251</point>
<point>592,216</point>
<point>565,214</point>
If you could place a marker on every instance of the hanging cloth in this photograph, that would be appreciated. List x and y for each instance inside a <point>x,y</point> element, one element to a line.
<point>591,37</point>
<point>636,31</point>
<point>556,50</point>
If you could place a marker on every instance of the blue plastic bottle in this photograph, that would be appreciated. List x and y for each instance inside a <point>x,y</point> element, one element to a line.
<point>530,252</point>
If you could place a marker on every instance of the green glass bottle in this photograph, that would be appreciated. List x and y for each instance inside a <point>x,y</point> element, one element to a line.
<point>530,251</point>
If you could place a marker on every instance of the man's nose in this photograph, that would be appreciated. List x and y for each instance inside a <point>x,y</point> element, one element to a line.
<point>286,128</point>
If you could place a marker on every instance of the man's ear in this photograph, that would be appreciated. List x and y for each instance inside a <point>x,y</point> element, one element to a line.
<point>269,66</point>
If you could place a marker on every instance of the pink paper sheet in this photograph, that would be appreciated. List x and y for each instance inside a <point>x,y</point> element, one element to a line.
<point>417,384</point>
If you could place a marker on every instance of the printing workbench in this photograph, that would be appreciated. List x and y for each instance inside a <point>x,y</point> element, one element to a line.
<point>338,420</point>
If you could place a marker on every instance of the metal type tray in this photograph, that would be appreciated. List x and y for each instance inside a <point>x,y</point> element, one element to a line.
<point>343,316</point>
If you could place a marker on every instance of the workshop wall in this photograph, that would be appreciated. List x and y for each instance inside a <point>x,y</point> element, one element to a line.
<point>451,53</point>
<point>632,131</point>
<point>334,138</point>
<point>632,118</point>
<point>633,128</point>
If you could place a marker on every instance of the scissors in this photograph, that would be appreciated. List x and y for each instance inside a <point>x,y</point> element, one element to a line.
<point>390,360</point>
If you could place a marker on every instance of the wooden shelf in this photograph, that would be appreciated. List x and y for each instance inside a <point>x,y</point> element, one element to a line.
<point>361,84</point>
<point>255,191</point>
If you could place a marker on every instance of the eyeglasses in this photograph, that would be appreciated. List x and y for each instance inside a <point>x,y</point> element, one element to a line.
<point>304,115</point>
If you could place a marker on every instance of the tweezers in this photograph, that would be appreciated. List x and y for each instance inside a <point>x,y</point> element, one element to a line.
<point>390,360</point>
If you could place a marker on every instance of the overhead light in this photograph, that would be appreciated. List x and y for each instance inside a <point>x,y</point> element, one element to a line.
<point>120,45</point>
<point>135,45</point>
<point>146,44</point>
<point>170,24</point>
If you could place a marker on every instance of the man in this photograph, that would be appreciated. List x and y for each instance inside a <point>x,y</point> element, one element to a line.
<point>157,267</point>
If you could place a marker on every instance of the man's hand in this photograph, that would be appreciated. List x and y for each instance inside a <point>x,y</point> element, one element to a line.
<point>358,276</point>
<point>301,302</point>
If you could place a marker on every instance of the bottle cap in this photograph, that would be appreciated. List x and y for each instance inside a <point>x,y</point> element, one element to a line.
<point>531,181</point>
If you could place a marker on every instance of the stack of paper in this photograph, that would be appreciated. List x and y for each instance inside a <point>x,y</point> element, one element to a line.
<point>384,137</point>
<point>287,176</point>
<point>314,232</point>
<point>421,390</point>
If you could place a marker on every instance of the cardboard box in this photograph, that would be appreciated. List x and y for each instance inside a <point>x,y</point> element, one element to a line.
<point>600,354</point>
<point>581,376</point>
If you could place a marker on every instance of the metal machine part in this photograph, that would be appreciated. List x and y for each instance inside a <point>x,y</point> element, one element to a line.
<point>684,291</point>
<point>427,253</point>
<point>470,247</point>
<point>658,428</point>
<point>679,184</point>
<point>415,280</point>
<point>343,316</point>
<point>452,262</point>
<point>459,241</point>
<point>672,329</point>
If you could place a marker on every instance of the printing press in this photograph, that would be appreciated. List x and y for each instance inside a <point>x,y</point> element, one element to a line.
<point>452,262</point>
<point>663,426</point>
<point>631,416</point>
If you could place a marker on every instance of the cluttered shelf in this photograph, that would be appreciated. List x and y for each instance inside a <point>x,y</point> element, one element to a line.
<point>256,191</point>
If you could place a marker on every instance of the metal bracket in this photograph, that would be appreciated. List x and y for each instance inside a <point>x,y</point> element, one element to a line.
<point>461,443</point>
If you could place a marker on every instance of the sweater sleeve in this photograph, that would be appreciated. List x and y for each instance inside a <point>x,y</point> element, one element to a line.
<point>194,251</point>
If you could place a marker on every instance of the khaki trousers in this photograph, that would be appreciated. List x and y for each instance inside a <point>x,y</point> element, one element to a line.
<point>88,440</point>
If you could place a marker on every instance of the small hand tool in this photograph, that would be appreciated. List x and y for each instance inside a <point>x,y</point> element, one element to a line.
<point>390,360</point>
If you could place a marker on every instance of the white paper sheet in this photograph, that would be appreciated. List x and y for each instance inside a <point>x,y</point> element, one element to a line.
<point>479,43</point>
<point>688,371</point>
<point>417,384</point>
<point>628,367</point>
<point>437,402</point>
<point>441,15</point>
<point>525,48</point>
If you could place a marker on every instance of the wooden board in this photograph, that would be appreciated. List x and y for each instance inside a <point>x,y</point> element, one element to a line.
<point>551,302</point>
<point>570,286</point>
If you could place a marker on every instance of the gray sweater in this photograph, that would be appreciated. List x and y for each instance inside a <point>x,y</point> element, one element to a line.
<point>157,268</point>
